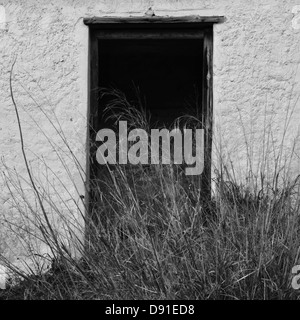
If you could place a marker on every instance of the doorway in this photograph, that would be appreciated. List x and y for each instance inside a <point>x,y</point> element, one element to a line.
<point>164,64</point>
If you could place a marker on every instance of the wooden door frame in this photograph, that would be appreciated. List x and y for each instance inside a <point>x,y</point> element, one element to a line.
<point>188,27</point>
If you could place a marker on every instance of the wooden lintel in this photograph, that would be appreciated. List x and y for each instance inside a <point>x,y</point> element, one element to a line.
<point>94,21</point>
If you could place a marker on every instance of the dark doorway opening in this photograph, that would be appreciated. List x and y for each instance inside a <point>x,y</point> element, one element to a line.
<point>167,74</point>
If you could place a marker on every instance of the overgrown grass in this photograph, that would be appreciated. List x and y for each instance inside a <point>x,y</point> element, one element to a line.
<point>149,237</point>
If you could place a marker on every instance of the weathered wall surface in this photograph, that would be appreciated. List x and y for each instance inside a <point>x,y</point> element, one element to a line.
<point>256,86</point>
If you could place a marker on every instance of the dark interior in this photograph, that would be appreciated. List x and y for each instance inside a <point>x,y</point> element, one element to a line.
<point>169,76</point>
<point>167,73</point>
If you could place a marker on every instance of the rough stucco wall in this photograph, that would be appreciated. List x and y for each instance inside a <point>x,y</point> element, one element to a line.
<point>256,82</point>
